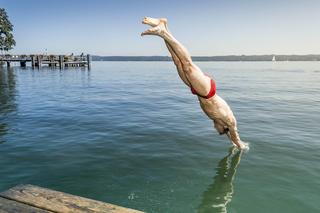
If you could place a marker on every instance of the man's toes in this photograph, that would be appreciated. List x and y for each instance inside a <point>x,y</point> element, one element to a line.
<point>145,20</point>
<point>144,33</point>
<point>147,32</point>
<point>151,21</point>
<point>150,31</point>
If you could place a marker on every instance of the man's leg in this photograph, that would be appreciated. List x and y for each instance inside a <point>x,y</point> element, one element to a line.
<point>155,22</point>
<point>199,81</point>
<point>178,64</point>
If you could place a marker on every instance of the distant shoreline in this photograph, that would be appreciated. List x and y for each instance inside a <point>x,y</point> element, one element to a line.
<point>213,58</point>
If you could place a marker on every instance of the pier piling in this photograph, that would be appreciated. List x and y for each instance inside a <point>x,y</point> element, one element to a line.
<point>33,61</point>
<point>61,61</point>
<point>23,63</point>
<point>39,61</point>
<point>89,61</point>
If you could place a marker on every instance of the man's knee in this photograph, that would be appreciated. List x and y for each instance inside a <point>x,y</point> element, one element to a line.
<point>177,63</point>
<point>187,66</point>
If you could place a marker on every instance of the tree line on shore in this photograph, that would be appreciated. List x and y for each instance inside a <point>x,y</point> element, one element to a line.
<point>213,58</point>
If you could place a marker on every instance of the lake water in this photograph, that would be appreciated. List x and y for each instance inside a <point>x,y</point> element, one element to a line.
<point>132,134</point>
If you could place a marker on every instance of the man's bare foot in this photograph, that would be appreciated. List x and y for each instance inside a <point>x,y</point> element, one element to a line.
<point>158,26</point>
<point>153,22</point>
<point>159,30</point>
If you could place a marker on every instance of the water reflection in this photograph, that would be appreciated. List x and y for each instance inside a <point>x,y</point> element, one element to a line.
<point>220,192</point>
<point>7,97</point>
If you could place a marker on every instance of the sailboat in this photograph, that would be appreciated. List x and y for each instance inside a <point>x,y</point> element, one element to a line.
<point>274,58</point>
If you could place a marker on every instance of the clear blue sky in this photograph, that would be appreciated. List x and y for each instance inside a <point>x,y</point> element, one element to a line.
<point>207,27</point>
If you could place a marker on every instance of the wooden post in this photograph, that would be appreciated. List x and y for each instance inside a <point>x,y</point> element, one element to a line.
<point>8,63</point>
<point>23,63</point>
<point>61,61</point>
<point>89,61</point>
<point>39,61</point>
<point>51,61</point>
<point>33,61</point>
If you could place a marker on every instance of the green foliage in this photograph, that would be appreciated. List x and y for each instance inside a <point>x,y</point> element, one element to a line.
<point>6,37</point>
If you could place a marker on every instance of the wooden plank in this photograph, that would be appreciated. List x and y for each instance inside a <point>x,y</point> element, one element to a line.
<point>10,206</point>
<point>60,202</point>
<point>75,62</point>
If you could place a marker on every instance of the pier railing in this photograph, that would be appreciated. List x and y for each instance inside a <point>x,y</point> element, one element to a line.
<point>60,61</point>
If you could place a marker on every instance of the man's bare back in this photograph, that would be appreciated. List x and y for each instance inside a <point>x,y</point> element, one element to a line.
<point>202,85</point>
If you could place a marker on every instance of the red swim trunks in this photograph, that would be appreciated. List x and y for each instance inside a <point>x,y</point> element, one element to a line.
<point>211,93</point>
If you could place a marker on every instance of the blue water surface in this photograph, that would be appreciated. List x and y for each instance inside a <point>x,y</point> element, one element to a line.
<point>132,134</point>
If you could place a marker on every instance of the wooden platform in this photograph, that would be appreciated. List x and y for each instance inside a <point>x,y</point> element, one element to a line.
<point>29,198</point>
<point>60,61</point>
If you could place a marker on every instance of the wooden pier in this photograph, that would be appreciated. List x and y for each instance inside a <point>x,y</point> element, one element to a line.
<point>60,61</point>
<point>29,198</point>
